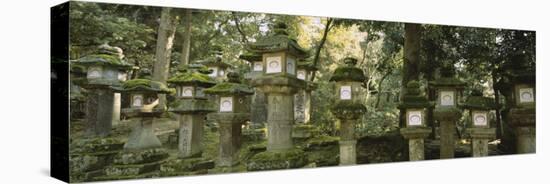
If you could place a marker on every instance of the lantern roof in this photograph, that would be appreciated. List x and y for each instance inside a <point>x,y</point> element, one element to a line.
<point>348,72</point>
<point>215,59</point>
<point>251,56</point>
<point>232,86</point>
<point>193,74</point>
<point>145,86</point>
<point>277,41</point>
<point>106,56</point>
<point>447,79</point>
<point>477,101</point>
<point>414,97</point>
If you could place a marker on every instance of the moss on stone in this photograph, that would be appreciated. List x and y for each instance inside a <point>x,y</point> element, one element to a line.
<point>103,60</point>
<point>347,73</point>
<point>348,109</point>
<point>479,102</point>
<point>251,57</point>
<point>230,88</point>
<point>273,160</point>
<point>414,97</point>
<point>192,78</point>
<point>321,141</point>
<point>277,41</point>
<point>145,85</point>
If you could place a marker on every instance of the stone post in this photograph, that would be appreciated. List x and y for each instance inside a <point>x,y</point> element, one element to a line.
<point>230,136</point>
<point>280,118</point>
<point>480,139</point>
<point>191,134</point>
<point>416,136</point>
<point>348,155</point>
<point>523,120</point>
<point>447,118</point>
<point>99,112</point>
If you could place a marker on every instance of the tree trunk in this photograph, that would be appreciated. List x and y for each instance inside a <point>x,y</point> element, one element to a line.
<point>185,49</point>
<point>500,130</point>
<point>380,89</point>
<point>411,58</point>
<point>321,44</point>
<point>165,40</point>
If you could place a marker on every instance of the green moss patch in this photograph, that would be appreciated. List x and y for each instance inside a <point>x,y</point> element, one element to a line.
<point>274,160</point>
<point>145,85</point>
<point>347,73</point>
<point>229,88</point>
<point>103,60</point>
<point>192,78</point>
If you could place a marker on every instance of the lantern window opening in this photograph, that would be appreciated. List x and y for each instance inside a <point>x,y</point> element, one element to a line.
<point>95,72</point>
<point>414,117</point>
<point>137,100</point>
<point>345,92</point>
<point>274,64</point>
<point>226,104</point>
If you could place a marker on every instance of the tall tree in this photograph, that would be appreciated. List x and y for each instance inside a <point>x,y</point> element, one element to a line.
<point>165,41</point>
<point>328,27</point>
<point>186,48</point>
<point>411,59</point>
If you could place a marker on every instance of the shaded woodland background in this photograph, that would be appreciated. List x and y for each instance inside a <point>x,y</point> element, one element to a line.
<point>158,40</point>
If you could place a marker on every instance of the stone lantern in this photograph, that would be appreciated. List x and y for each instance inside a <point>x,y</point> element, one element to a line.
<point>216,65</point>
<point>143,150</point>
<point>192,105</point>
<point>258,113</point>
<point>479,127</point>
<point>104,70</point>
<point>519,87</point>
<point>233,111</point>
<point>415,105</point>
<point>302,104</point>
<point>279,83</point>
<point>448,93</point>
<point>348,107</point>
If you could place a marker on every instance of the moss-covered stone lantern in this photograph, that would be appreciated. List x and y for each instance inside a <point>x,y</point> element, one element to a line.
<point>104,69</point>
<point>479,126</point>
<point>448,93</point>
<point>192,106</point>
<point>302,103</point>
<point>519,87</point>
<point>215,64</point>
<point>233,111</point>
<point>279,83</point>
<point>348,107</point>
<point>143,149</point>
<point>415,105</point>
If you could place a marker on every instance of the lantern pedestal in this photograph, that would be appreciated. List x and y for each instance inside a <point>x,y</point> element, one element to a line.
<point>280,92</point>
<point>447,117</point>
<point>523,120</point>
<point>99,112</point>
<point>416,136</point>
<point>230,136</point>
<point>258,110</point>
<point>348,113</point>
<point>142,136</point>
<point>480,138</point>
<point>89,157</point>
<point>190,135</point>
